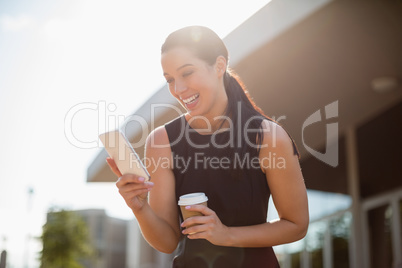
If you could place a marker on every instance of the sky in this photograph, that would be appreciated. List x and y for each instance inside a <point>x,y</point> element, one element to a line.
<point>57,55</point>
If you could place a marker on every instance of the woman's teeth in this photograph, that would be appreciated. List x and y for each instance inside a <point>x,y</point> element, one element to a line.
<point>191,99</point>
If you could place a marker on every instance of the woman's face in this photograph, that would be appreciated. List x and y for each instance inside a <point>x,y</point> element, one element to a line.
<point>197,85</point>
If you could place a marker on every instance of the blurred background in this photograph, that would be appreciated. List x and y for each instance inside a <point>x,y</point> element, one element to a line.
<point>329,71</point>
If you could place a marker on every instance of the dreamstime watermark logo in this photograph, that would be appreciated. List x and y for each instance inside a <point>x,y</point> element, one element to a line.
<point>331,155</point>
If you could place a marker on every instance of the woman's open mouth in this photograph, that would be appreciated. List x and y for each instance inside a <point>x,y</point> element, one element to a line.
<point>191,102</point>
<point>191,99</point>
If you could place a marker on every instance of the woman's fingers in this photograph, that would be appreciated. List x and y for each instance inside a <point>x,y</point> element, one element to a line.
<point>196,229</point>
<point>134,190</point>
<point>201,208</point>
<point>136,193</point>
<point>207,227</point>
<point>130,178</point>
<point>209,216</point>
<point>196,220</point>
<point>129,187</point>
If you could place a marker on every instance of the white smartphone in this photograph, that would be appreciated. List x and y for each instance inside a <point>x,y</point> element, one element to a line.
<point>119,148</point>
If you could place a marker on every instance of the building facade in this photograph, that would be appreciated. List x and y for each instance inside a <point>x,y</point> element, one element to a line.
<point>108,236</point>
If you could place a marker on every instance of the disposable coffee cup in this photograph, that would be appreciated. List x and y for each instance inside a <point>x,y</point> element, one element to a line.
<point>192,199</point>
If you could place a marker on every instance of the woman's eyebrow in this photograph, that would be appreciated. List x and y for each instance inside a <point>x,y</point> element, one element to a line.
<point>185,65</point>
<point>181,67</point>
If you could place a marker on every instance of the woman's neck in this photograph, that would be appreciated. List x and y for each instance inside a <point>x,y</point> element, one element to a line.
<point>215,118</point>
<point>211,122</point>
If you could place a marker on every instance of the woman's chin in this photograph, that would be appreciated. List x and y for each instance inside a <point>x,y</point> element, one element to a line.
<point>193,113</point>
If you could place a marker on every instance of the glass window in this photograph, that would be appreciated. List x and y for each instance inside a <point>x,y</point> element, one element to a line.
<point>340,233</point>
<point>379,221</point>
<point>295,259</point>
<point>315,243</point>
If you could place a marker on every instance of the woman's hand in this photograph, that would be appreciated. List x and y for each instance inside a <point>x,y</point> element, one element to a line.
<point>208,227</point>
<point>131,187</point>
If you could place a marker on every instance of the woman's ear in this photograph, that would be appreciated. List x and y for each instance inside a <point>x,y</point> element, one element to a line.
<point>220,66</point>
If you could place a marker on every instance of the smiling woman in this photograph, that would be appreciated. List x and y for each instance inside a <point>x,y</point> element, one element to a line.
<point>225,141</point>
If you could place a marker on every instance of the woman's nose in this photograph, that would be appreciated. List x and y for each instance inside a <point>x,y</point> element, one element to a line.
<point>179,87</point>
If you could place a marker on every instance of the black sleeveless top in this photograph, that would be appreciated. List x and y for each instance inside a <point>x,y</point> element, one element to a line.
<point>201,164</point>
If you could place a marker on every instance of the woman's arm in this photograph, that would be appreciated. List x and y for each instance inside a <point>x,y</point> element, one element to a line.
<point>158,219</point>
<point>288,192</point>
<point>162,230</point>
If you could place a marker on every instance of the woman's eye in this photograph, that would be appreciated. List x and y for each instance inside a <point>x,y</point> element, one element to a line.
<point>187,73</point>
<point>169,81</point>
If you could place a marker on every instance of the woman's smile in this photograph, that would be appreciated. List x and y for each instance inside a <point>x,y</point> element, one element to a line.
<point>191,101</point>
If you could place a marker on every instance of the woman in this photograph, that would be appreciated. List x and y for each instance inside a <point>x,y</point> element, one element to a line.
<point>223,146</point>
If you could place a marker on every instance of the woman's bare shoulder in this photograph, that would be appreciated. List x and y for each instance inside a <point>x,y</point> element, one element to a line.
<point>158,138</point>
<point>276,137</point>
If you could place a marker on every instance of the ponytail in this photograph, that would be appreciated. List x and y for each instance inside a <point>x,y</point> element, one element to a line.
<point>240,100</point>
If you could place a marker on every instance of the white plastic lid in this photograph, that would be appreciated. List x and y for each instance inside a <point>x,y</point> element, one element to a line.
<point>192,199</point>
